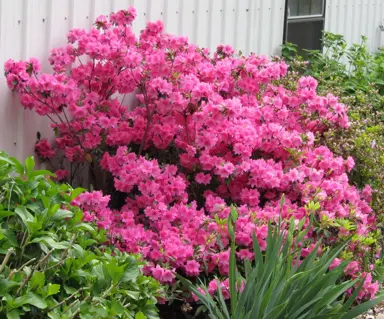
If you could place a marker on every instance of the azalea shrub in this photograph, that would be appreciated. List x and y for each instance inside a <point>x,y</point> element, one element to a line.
<point>184,133</point>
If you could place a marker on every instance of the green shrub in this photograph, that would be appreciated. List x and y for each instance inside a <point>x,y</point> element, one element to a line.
<point>356,76</point>
<point>277,286</point>
<point>55,266</point>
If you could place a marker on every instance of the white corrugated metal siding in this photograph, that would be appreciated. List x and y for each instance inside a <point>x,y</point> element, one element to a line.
<point>30,28</point>
<point>353,18</point>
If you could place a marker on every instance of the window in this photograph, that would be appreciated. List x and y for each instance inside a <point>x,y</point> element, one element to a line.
<point>305,23</point>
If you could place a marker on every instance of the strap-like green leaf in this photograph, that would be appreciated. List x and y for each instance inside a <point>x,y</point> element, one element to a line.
<point>358,310</point>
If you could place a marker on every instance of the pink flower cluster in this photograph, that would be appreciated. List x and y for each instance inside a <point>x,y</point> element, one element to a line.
<point>214,284</point>
<point>223,130</point>
<point>370,287</point>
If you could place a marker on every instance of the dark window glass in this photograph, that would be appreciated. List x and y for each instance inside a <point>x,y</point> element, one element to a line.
<point>305,23</point>
<point>305,34</point>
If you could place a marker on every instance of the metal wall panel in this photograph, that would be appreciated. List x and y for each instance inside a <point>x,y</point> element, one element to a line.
<point>30,28</point>
<point>354,18</point>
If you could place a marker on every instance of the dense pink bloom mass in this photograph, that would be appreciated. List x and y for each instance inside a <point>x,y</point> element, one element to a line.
<point>217,129</point>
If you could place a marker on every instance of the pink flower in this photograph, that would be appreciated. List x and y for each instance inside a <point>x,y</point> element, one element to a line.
<point>335,263</point>
<point>350,163</point>
<point>212,286</point>
<point>44,150</point>
<point>163,275</point>
<point>192,268</point>
<point>61,174</point>
<point>202,178</point>
<point>225,170</point>
<point>194,297</point>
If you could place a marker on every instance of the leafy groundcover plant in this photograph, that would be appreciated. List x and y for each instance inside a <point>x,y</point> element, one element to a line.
<point>52,265</point>
<point>281,283</point>
<point>206,130</point>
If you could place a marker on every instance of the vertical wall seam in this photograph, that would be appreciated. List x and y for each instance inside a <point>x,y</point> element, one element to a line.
<point>249,22</point>
<point>236,28</point>
<point>210,25</point>
<point>223,23</point>
<point>195,20</point>
<point>180,22</point>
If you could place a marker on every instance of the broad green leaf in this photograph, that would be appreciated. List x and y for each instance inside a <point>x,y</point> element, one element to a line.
<point>29,165</point>
<point>24,214</point>
<point>115,271</point>
<point>117,307</point>
<point>140,315</point>
<point>36,173</point>
<point>11,237</point>
<point>85,226</point>
<point>49,241</point>
<point>69,290</point>
<point>13,162</point>
<point>6,213</point>
<point>37,280</point>
<point>34,226</point>
<point>6,285</point>
<point>14,314</point>
<point>36,301</point>
<point>130,273</point>
<point>32,299</point>
<point>52,289</point>
<point>135,295</point>
<point>62,214</point>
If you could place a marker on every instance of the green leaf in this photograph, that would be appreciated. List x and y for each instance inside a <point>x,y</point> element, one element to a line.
<point>37,280</point>
<point>62,214</point>
<point>10,235</point>
<point>131,272</point>
<point>34,226</point>
<point>358,310</point>
<point>52,289</point>
<point>117,307</point>
<point>85,226</point>
<point>69,290</point>
<point>232,279</point>
<point>29,165</point>
<point>222,303</point>
<point>115,271</point>
<point>6,285</point>
<point>135,295</point>
<point>13,162</point>
<point>6,213</point>
<point>31,299</point>
<point>205,298</point>
<point>276,312</point>
<point>51,242</point>
<point>24,214</point>
<point>140,315</point>
<point>14,314</point>
<point>42,172</point>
